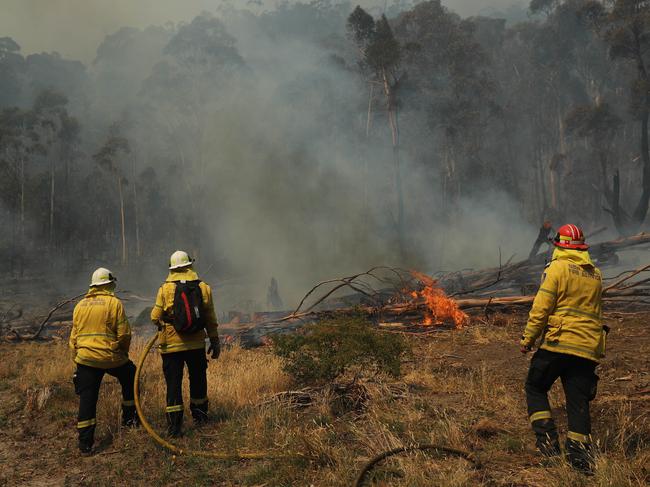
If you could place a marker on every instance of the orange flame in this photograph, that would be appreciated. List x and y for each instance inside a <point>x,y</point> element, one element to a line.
<point>441,307</point>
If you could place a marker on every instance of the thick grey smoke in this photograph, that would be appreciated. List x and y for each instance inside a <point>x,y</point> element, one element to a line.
<point>289,181</point>
<point>289,189</point>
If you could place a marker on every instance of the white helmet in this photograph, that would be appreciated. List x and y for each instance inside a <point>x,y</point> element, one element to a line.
<point>102,276</point>
<point>180,259</point>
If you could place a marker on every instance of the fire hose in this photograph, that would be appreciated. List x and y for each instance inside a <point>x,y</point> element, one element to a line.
<point>369,466</point>
<point>196,453</point>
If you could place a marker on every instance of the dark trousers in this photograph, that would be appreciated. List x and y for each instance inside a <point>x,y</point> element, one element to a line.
<point>579,381</point>
<point>173,365</point>
<point>87,381</point>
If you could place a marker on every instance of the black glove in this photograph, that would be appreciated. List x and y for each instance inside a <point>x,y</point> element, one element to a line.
<point>214,348</point>
<point>75,381</point>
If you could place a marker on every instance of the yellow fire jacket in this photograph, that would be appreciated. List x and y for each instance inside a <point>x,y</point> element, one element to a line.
<point>567,311</point>
<point>170,341</point>
<point>101,335</point>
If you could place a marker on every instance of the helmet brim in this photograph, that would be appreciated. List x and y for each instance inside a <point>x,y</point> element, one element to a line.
<point>180,266</point>
<point>102,283</point>
<point>571,246</point>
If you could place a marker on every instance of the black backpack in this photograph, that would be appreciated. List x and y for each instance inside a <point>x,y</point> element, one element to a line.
<point>188,307</point>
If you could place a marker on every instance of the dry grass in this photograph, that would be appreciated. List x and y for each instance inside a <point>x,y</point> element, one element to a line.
<point>37,364</point>
<point>243,377</point>
<point>462,389</point>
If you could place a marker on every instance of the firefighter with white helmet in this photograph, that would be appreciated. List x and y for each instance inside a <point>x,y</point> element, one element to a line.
<point>566,317</point>
<point>180,259</point>
<point>184,313</point>
<point>100,338</point>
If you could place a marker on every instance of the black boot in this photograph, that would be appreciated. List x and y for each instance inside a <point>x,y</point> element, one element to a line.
<point>199,412</point>
<point>86,440</point>
<point>580,456</point>
<point>547,441</point>
<point>130,417</point>
<point>175,424</point>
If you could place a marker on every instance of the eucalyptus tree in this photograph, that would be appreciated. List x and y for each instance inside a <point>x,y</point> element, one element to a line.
<point>56,131</point>
<point>17,142</point>
<point>115,149</point>
<point>380,59</point>
<point>598,124</point>
<point>451,82</point>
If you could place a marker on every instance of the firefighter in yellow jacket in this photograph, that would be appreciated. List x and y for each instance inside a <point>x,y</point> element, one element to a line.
<point>183,312</point>
<point>100,338</point>
<point>567,319</point>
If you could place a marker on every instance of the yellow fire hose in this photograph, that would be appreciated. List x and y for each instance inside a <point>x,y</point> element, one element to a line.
<point>198,453</point>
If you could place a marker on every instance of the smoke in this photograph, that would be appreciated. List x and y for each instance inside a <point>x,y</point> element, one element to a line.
<point>74,28</point>
<point>300,198</point>
<point>290,187</point>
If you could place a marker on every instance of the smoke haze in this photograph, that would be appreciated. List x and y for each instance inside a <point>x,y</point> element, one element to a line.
<point>75,28</point>
<point>253,155</point>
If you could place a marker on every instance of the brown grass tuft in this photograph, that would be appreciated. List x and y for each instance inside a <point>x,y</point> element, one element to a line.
<point>243,377</point>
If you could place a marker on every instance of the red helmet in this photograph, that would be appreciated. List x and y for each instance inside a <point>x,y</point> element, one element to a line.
<point>570,237</point>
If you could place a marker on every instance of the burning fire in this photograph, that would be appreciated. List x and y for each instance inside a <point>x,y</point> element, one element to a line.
<point>441,307</point>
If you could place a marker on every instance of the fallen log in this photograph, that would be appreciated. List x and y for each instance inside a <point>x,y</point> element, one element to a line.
<point>41,327</point>
<point>470,303</point>
<point>416,309</point>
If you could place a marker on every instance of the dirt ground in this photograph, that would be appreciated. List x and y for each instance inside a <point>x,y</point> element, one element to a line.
<point>462,388</point>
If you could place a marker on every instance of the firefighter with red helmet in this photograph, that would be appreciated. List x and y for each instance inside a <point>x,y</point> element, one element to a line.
<point>566,318</point>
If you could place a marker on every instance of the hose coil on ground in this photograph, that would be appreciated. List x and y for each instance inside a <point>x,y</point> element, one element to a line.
<point>361,478</point>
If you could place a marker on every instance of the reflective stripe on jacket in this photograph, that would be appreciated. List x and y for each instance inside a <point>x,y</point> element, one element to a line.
<point>567,311</point>
<point>101,335</point>
<point>170,340</point>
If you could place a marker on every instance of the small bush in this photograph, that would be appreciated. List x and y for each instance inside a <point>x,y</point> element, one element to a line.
<point>327,350</point>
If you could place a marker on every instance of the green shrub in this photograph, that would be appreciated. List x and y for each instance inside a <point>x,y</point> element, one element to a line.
<point>328,349</point>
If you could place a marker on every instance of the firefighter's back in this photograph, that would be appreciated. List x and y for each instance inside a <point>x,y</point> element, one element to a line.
<point>95,320</point>
<point>575,325</point>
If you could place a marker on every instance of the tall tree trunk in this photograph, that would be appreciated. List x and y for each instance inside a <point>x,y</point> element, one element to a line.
<point>135,208</point>
<point>21,232</point>
<point>602,159</point>
<point>555,161</point>
<point>605,196</point>
<point>642,208</point>
<point>371,96</point>
<point>65,220</point>
<point>616,212</point>
<point>14,244</point>
<point>52,183</point>
<point>541,187</point>
<point>122,222</point>
<point>366,203</point>
<point>393,122</point>
<point>553,186</point>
